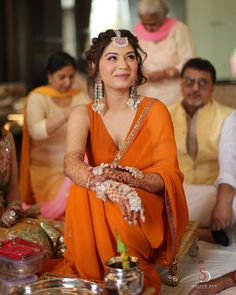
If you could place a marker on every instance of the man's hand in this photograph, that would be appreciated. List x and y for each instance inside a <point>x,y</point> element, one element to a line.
<point>222,211</point>
<point>221,216</point>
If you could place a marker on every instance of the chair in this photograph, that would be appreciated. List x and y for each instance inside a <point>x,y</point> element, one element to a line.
<point>188,244</point>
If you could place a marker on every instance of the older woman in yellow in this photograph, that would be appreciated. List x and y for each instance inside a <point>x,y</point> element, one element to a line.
<point>48,108</point>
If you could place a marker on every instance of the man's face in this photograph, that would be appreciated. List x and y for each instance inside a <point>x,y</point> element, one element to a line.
<point>197,87</point>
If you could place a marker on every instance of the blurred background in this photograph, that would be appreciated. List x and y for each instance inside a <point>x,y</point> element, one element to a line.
<point>31,30</point>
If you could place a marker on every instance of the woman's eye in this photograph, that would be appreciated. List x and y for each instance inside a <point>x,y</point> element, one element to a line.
<point>131,56</point>
<point>112,57</point>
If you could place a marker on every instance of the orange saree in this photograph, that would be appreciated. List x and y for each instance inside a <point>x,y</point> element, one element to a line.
<point>25,182</point>
<point>91,224</point>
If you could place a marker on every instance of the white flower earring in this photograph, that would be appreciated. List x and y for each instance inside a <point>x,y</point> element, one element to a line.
<point>98,106</point>
<point>133,101</point>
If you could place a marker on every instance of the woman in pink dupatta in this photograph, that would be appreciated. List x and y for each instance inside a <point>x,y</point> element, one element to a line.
<point>168,45</point>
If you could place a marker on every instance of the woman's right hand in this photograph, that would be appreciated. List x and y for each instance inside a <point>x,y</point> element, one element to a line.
<point>127,200</point>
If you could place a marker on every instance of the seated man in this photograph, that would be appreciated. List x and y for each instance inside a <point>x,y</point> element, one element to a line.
<point>198,121</point>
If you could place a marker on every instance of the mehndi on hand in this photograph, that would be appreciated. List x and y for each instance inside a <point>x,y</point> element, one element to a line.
<point>125,197</point>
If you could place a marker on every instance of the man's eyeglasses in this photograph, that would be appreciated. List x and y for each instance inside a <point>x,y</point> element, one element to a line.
<point>202,83</point>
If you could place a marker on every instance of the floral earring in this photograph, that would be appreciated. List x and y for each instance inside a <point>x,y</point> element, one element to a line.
<point>133,101</point>
<point>98,106</point>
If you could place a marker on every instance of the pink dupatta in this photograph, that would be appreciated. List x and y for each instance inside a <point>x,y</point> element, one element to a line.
<point>160,34</point>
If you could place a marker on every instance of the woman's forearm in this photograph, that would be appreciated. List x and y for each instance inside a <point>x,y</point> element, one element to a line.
<point>75,168</point>
<point>151,182</point>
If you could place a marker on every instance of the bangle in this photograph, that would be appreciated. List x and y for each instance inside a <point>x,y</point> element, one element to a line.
<point>98,170</point>
<point>135,172</point>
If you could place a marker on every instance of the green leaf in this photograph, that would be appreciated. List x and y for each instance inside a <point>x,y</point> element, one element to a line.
<point>121,247</point>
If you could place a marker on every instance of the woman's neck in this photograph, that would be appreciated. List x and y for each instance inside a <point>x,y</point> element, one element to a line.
<point>116,100</point>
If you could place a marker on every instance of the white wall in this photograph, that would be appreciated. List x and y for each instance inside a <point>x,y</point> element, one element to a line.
<point>213,27</point>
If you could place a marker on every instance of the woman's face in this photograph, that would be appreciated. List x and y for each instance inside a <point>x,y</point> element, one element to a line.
<point>151,22</point>
<point>63,79</point>
<point>118,67</point>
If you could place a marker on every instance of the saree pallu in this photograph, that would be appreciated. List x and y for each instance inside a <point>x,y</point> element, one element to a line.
<point>91,224</point>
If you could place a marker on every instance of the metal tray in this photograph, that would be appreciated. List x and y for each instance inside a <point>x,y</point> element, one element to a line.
<point>57,286</point>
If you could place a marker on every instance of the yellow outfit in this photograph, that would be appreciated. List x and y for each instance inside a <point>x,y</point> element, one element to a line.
<point>41,175</point>
<point>204,169</point>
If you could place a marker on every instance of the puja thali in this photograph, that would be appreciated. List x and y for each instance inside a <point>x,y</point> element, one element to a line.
<point>56,286</point>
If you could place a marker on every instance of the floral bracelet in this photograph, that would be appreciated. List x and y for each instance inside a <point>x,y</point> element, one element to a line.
<point>135,172</point>
<point>135,202</point>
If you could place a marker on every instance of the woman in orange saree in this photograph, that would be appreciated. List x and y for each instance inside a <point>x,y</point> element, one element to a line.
<point>132,184</point>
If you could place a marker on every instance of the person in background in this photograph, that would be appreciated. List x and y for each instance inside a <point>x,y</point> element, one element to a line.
<point>10,202</point>
<point>48,108</point>
<point>198,121</point>
<point>224,211</point>
<point>168,44</point>
<point>131,184</point>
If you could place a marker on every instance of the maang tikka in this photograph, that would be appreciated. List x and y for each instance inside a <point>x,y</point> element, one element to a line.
<point>133,101</point>
<point>98,106</point>
<point>119,41</point>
